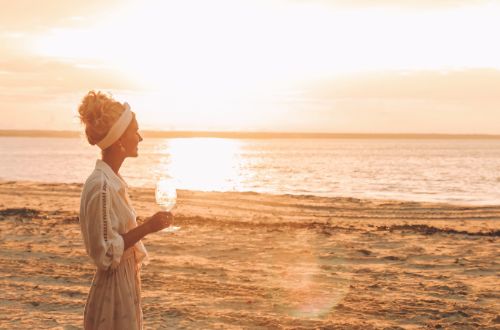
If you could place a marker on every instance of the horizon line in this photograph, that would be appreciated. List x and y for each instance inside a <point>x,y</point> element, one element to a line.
<point>254,135</point>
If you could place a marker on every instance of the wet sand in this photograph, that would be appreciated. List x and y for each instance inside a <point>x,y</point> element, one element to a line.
<point>256,261</point>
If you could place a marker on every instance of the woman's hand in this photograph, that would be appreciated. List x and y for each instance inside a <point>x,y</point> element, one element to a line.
<point>160,220</point>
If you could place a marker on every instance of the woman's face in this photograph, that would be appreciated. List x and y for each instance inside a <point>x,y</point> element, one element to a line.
<point>131,138</point>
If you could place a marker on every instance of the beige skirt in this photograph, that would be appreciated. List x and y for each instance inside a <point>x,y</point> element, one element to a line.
<point>114,300</point>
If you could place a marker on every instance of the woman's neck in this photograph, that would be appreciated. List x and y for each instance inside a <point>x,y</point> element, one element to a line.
<point>113,160</point>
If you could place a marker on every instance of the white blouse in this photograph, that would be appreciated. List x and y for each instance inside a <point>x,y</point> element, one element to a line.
<point>106,213</point>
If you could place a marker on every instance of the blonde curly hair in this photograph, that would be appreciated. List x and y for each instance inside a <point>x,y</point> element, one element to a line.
<point>98,112</point>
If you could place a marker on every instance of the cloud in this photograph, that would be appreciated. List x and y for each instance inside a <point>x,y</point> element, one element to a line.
<point>472,85</point>
<point>464,101</point>
<point>410,4</point>
<point>28,15</point>
<point>41,93</point>
<point>49,102</point>
<point>32,76</point>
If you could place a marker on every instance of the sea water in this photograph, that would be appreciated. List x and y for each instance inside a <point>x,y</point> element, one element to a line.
<point>456,171</point>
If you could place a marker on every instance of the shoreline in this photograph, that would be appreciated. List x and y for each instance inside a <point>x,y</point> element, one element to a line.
<point>292,195</point>
<point>248,260</point>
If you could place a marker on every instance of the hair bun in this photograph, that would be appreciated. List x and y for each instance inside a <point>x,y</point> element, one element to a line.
<point>98,112</point>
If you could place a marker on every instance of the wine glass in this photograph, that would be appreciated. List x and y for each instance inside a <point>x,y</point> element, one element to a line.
<point>166,197</point>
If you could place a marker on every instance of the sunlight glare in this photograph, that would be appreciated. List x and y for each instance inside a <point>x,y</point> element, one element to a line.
<point>202,163</point>
<point>172,46</point>
<point>231,64</point>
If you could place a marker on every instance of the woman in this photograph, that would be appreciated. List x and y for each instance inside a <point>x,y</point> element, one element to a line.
<point>108,220</point>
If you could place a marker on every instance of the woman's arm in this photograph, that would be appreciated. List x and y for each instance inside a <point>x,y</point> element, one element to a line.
<point>153,224</point>
<point>135,235</point>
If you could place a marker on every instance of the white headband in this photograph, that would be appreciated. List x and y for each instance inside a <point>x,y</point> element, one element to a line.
<point>117,129</point>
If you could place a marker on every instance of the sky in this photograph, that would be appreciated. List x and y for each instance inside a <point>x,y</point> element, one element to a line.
<point>345,66</point>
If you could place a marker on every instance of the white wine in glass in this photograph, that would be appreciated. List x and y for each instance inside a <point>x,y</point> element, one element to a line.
<point>166,197</point>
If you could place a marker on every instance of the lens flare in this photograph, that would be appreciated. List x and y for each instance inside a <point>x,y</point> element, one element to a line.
<point>315,280</point>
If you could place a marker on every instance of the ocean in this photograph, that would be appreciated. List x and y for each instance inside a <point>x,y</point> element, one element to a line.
<point>454,171</point>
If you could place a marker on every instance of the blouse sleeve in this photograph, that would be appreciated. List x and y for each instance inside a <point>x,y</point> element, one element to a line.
<point>104,245</point>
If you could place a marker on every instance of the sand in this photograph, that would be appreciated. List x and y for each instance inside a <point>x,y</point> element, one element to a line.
<point>255,261</point>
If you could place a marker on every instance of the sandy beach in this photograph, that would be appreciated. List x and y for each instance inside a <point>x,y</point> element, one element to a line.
<point>256,261</point>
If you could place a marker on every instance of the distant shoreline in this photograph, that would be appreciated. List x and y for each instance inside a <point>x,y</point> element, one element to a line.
<point>259,135</point>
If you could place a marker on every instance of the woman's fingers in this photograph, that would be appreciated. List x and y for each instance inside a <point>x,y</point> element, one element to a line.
<point>160,220</point>
<point>167,216</point>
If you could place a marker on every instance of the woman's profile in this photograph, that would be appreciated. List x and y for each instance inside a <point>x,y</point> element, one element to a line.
<point>110,231</point>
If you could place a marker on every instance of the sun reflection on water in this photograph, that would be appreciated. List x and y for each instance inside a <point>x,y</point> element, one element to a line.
<point>208,164</point>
